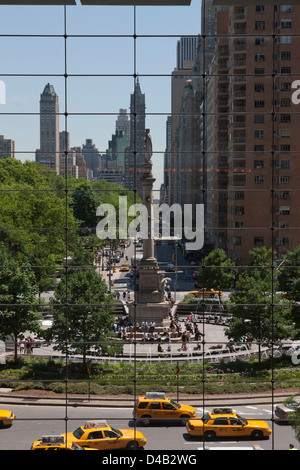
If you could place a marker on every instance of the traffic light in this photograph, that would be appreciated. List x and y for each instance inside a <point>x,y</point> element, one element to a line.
<point>173,257</point>
<point>114,269</point>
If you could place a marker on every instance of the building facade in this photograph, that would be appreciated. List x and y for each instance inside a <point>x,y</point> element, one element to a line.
<point>7,148</point>
<point>134,157</point>
<point>92,157</point>
<point>48,153</point>
<point>263,130</point>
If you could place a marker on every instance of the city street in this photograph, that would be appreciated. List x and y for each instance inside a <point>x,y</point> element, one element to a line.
<point>181,280</point>
<point>32,422</point>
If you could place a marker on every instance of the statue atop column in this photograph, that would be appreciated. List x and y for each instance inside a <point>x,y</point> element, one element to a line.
<point>147,146</point>
<point>150,304</point>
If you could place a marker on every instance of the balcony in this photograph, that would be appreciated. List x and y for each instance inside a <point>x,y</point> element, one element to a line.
<point>239,109</point>
<point>239,63</point>
<point>239,31</point>
<point>242,46</point>
<point>239,139</point>
<point>239,180</point>
<point>239,16</point>
<point>238,125</point>
<point>238,78</point>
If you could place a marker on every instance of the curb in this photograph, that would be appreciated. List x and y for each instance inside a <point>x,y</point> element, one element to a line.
<point>121,402</point>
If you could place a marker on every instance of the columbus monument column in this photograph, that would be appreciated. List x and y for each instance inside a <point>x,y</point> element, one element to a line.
<point>149,304</point>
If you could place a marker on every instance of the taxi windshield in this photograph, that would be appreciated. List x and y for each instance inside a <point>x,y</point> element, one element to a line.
<point>243,420</point>
<point>117,431</point>
<point>175,404</point>
<point>206,418</point>
<point>78,433</point>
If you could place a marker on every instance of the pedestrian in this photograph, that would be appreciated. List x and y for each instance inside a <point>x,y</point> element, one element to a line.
<point>159,348</point>
<point>28,346</point>
<point>21,346</point>
<point>292,447</point>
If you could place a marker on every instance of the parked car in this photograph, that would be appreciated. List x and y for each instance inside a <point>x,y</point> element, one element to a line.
<point>283,411</point>
<point>170,268</point>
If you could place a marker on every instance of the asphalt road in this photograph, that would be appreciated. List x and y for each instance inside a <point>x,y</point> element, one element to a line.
<point>34,421</point>
<point>181,281</point>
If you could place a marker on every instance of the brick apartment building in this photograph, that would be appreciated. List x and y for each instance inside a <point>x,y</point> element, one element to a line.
<point>255,197</point>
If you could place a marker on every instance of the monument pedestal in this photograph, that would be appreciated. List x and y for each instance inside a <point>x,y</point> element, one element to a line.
<point>149,304</point>
<point>155,312</point>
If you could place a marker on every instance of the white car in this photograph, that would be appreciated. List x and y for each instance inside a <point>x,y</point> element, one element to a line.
<point>282,411</point>
<point>170,268</point>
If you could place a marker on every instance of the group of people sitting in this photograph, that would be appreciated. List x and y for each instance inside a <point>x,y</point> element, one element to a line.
<point>122,327</point>
<point>152,336</point>
<point>125,330</point>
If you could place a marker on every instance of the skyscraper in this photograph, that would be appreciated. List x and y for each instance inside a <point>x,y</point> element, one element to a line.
<point>7,148</point>
<point>92,157</point>
<point>186,50</point>
<point>263,162</point>
<point>116,149</point>
<point>67,158</point>
<point>48,154</point>
<point>134,158</point>
<point>251,143</point>
<point>123,123</point>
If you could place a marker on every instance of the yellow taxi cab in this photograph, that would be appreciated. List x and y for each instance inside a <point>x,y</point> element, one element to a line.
<point>99,435</point>
<point>206,293</point>
<point>227,425</point>
<point>156,406</point>
<point>6,418</point>
<point>124,267</point>
<point>55,442</point>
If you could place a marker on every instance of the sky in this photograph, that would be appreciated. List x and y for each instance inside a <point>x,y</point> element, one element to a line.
<point>29,62</point>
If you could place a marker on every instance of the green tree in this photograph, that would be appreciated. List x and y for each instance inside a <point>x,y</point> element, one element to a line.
<point>217,271</point>
<point>84,205</point>
<point>261,262</point>
<point>294,421</point>
<point>82,310</point>
<point>32,199</point>
<point>289,274</point>
<point>259,314</point>
<point>20,310</point>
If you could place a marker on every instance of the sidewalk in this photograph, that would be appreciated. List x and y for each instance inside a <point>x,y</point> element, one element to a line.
<point>7,396</point>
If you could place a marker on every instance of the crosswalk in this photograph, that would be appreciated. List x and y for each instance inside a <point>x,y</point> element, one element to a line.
<point>247,410</point>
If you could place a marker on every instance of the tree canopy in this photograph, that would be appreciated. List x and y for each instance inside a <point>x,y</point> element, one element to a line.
<point>43,218</point>
<point>82,310</point>
<point>259,312</point>
<point>20,309</point>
